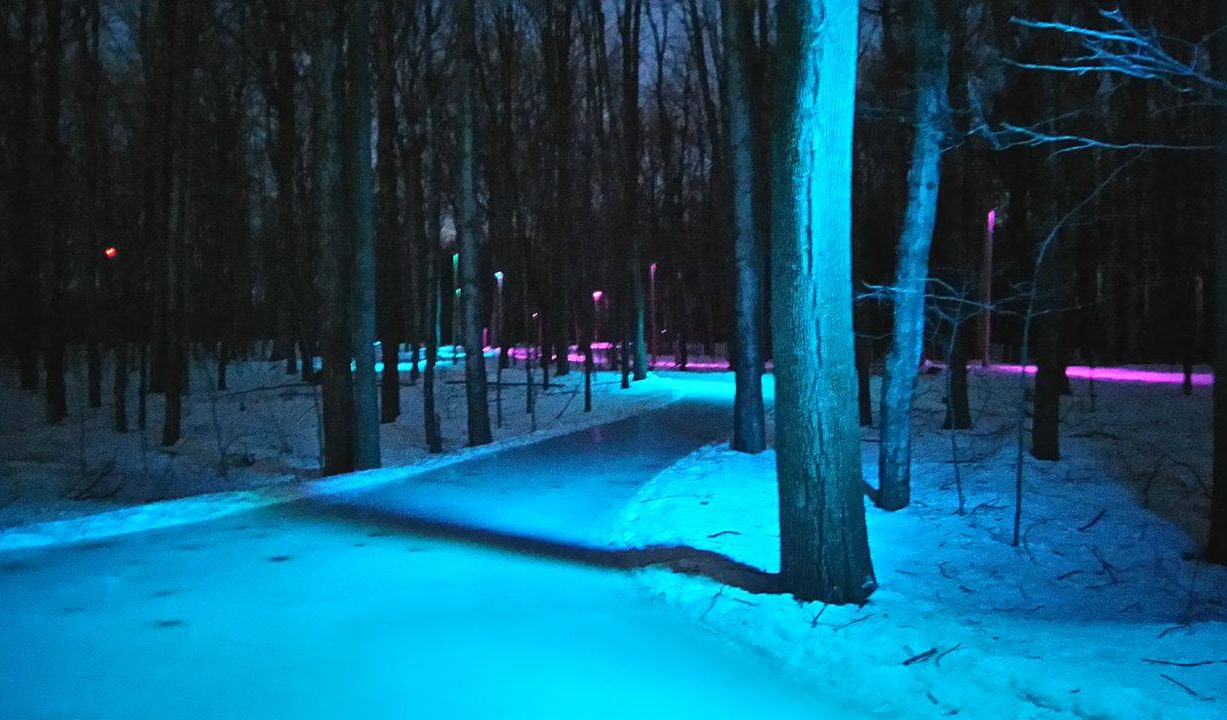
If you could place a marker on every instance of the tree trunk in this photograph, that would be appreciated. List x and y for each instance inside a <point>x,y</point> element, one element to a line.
<point>176,361</point>
<point>467,240</point>
<point>958,410</point>
<point>26,292</point>
<point>824,549</point>
<point>120,390</point>
<point>391,309</point>
<point>336,378</point>
<point>1053,287</point>
<point>749,426</point>
<point>930,39</point>
<point>1045,422</point>
<point>86,22</point>
<point>431,209</point>
<point>291,286</point>
<point>634,301</point>
<point>430,283</point>
<point>864,370</point>
<point>170,207</point>
<point>1217,551</point>
<point>360,198</point>
<point>142,386</point>
<point>556,47</point>
<point>52,330</point>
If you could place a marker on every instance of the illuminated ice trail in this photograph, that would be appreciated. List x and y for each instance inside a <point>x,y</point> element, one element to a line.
<point>477,591</point>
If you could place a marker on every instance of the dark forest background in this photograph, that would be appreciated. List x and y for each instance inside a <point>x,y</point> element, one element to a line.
<point>182,175</point>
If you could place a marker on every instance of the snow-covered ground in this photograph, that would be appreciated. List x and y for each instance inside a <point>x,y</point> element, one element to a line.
<point>1103,612</point>
<point>256,442</point>
<point>484,589</point>
<point>495,587</point>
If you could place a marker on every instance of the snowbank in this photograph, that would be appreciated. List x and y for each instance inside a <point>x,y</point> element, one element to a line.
<point>253,445</point>
<point>1102,613</point>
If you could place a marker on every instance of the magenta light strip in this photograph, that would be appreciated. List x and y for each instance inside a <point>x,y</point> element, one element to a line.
<point>1115,374</point>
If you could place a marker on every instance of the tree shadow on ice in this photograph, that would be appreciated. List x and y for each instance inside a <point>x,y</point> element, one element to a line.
<point>675,558</point>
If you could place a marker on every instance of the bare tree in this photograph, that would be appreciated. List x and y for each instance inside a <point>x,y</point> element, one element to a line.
<point>356,150</point>
<point>467,240</point>
<point>1118,48</point>
<point>336,378</point>
<point>52,331</point>
<point>749,427</point>
<point>630,20</point>
<point>1217,551</point>
<point>824,549</point>
<point>930,39</point>
<point>390,295</point>
<point>26,293</point>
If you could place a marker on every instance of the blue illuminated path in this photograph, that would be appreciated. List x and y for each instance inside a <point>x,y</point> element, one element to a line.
<point>470,592</point>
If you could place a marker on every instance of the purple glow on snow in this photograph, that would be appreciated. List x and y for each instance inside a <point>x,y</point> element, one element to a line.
<point>597,295</point>
<point>992,220</point>
<point>1116,374</point>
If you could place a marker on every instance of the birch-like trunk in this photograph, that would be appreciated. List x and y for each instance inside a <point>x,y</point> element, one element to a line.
<point>924,180</point>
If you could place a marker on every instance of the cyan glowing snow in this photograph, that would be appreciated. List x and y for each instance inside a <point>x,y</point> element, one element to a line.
<point>505,617</point>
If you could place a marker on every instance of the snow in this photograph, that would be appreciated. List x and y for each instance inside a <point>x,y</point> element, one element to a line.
<point>1104,612</point>
<point>492,583</point>
<point>252,445</point>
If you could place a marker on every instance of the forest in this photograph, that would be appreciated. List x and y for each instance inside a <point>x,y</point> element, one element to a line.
<point>864,333</point>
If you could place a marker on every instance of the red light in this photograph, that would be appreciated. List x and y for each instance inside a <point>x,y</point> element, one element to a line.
<point>111,252</point>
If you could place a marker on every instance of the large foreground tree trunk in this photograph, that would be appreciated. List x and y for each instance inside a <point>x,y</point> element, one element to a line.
<point>467,240</point>
<point>924,180</point>
<point>749,427</point>
<point>824,549</point>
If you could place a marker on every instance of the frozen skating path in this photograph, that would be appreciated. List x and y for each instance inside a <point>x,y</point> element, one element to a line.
<point>466,593</point>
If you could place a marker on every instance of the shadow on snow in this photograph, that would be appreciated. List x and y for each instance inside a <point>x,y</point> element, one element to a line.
<point>675,558</point>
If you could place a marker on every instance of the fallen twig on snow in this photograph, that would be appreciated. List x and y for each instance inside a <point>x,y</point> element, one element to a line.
<point>938,660</point>
<point>1172,663</point>
<point>1179,684</point>
<point>1094,521</point>
<point>920,657</point>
